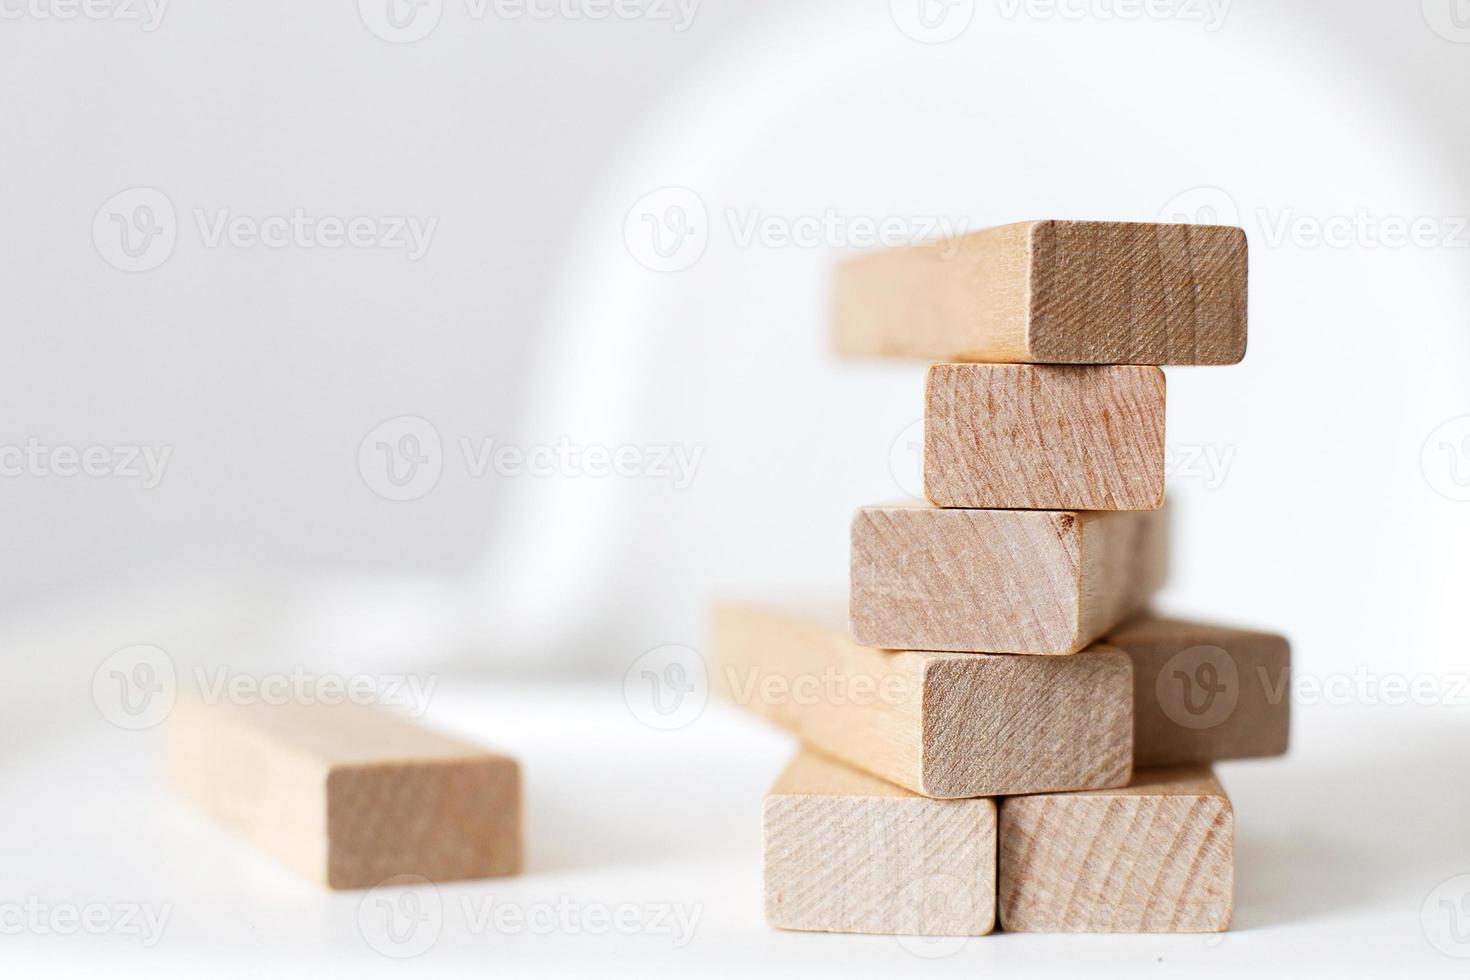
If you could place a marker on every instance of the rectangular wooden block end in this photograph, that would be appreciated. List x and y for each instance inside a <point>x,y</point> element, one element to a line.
<point>443,820</point>
<point>1118,292</point>
<point>1205,692</point>
<point>846,852</point>
<point>996,725</point>
<point>1157,856</point>
<point>1044,437</point>
<point>1000,581</point>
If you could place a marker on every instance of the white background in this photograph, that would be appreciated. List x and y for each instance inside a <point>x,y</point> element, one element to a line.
<point>533,318</point>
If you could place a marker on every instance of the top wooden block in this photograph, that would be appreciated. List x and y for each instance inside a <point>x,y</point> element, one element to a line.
<point>1052,292</point>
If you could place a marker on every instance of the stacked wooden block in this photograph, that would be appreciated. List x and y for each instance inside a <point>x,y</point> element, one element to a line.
<point>1000,728</point>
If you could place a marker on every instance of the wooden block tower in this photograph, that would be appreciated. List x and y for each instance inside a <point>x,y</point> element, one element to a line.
<point>1001,730</point>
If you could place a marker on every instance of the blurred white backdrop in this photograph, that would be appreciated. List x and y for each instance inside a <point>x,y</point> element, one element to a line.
<point>317,317</point>
<point>377,251</point>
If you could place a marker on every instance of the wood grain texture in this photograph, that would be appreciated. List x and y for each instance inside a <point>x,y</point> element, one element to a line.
<point>1044,437</point>
<point>1000,581</point>
<point>1052,292</point>
<point>1205,692</point>
<point>940,724</point>
<point>846,852</point>
<point>348,795</point>
<point>1157,856</point>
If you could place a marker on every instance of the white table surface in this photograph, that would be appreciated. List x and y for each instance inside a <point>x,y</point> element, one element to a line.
<point>1340,849</point>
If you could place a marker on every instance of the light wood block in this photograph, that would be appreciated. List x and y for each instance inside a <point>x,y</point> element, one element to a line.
<point>847,852</point>
<point>943,725</point>
<point>1052,292</point>
<point>1000,581</point>
<point>346,794</point>
<point>1044,437</point>
<point>1204,692</point>
<point>1157,856</point>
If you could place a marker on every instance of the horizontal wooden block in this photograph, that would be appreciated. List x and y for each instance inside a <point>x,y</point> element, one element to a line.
<point>847,852</point>
<point>346,794</point>
<point>1052,292</point>
<point>940,724</point>
<point>1157,856</point>
<point>1000,581</point>
<point>1204,692</point>
<point>1044,437</point>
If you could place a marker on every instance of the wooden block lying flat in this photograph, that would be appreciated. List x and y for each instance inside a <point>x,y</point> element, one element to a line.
<point>846,852</point>
<point>940,724</point>
<point>1203,692</point>
<point>1044,437</point>
<point>1155,857</point>
<point>1000,581</point>
<point>1052,292</point>
<point>346,794</point>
